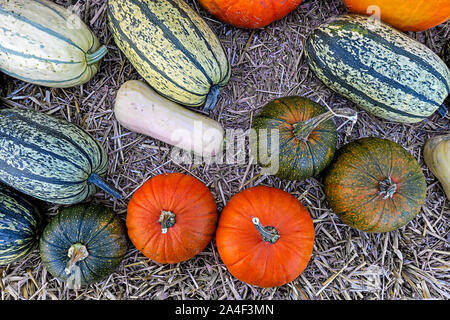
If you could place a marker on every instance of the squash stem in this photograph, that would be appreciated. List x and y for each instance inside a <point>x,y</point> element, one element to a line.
<point>92,58</point>
<point>77,252</point>
<point>99,182</point>
<point>211,100</point>
<point>167,220</point>
<point>302,130</point>
<point>268,233</point>
<point>387,188</point>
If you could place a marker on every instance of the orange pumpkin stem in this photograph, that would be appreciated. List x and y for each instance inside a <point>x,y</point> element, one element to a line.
<point>387,188</point>
<point>167,220</point>
<point>302,130</point>
<point>268,233</point>
<point>77,252</point>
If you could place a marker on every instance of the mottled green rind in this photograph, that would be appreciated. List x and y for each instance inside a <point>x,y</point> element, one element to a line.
<point>48,158</point>
<point>96,227</point>
<point>382,70</point>
<point>298,160</point>
<point>172,48</point>
<point>20,226</point>
<point>352,185</point>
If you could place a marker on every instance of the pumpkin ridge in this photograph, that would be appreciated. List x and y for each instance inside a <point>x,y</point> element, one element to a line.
<point>360,205</point>
<point>89,242</point>
<point>63,231</point>
<point>84,263</point>
<point>364,172</point>
<point>54,245</point>
<point>373,159</point>
<point>380,217</point>
<point>145,244</point>
<point>312,158</point>
<point>206,192</point>
<point>407,197</point>
<point>83,215</point>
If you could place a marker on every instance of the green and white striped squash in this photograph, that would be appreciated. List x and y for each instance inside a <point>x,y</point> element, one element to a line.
<point>382,70</point>
<point>46,44</point>
<point>172,48</point>
<point>50,159</point>
<point>20,226</point>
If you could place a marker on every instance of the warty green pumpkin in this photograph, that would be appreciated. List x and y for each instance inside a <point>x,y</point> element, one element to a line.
<point>172,48</point>
<point>49,158</point>
<point>304,132</point>
<point>46,44</point>
<point>380,69</point>
<point>375,185</point>
<point>83,244</point>
<point>20,226</point>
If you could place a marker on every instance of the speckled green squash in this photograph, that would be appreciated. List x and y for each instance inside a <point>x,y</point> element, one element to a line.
<point>48,158</point>
<point>375,185</point>
<point>172,48</point>
<point>298,157</point>
<point>20,226</point>
<point>83,244</point>
<point>382,70</point>
<point>46,44</point>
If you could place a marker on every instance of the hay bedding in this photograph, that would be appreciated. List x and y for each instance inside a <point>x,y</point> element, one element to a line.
<point>410,263</point>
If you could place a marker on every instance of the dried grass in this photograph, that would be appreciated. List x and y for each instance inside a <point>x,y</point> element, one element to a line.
<point>410,263</point>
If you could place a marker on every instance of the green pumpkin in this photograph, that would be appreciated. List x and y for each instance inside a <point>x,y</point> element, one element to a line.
<point>375,185</point>
<point>83,244</point>
<point>307,138</point>
<point>20,226</point>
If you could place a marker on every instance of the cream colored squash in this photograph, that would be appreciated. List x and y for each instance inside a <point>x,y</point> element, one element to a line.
<point>140,109</point>
<point>437,157</point>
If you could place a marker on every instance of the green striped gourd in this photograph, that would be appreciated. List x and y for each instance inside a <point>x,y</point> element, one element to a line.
<point>378,68</point>
<point>172,48</point>
<point>46,44</point>
<point>50,159</point>
<point>19,226</point>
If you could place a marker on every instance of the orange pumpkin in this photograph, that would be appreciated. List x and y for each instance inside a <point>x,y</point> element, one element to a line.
<point>406,15</point>
<point>171,217</point>
<point>265,236</point>
<point>249,13</point>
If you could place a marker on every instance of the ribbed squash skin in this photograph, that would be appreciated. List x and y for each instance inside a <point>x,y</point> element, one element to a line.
<point>379,68</point>
<point>45,44</point>
<point>247,255</point>
<point>172,48</point>
<point>298,159</point>
<point>48,158</point>
<point>405,15</point>
<point>249,13</point>
<point>352,185</point>
<point>96,227</point>
<point>19,226</point>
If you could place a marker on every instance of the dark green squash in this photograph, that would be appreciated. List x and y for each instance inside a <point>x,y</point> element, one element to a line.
<point>83,244</point>
<point>375,185</point>
<point>20,226</point>
<point>307,138</point>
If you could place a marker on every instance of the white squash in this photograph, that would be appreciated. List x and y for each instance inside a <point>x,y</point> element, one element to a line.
<point>437,157</point>
<point>141,109</point>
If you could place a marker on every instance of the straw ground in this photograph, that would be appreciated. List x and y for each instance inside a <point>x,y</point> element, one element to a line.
<point>410,263</point>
